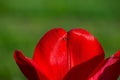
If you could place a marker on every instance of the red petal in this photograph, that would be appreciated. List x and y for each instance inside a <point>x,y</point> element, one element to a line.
<point>85,54</point>
<point>108,69</point>
<point>28,67</point>
<point>82,46</point>
<point>83,70</point>
<point>51,54</point>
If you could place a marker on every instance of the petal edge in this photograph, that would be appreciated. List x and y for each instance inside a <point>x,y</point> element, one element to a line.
<point>28,67</point>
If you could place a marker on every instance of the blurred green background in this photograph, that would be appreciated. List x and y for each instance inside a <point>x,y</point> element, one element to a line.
<point>23,23</point>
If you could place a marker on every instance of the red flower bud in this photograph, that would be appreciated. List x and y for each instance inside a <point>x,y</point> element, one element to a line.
<point>72,55</point>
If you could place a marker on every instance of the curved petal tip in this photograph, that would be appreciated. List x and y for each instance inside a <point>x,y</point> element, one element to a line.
<point>27,66</point>
<point>18,56</point>
<point>117,54</point>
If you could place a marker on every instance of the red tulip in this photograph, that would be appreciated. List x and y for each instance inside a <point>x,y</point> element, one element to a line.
<point>72,55</point>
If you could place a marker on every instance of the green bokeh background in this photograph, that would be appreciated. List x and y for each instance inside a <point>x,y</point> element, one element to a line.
<point>24,22</point>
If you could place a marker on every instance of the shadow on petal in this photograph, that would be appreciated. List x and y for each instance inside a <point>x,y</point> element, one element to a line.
<point>82,71</point>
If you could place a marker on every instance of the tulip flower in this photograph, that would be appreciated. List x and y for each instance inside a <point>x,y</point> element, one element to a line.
<point>72,55</point>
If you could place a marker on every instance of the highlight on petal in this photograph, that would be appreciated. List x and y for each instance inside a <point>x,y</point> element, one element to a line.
<point>51,54</point>
<point>108,69</point>
<point>82,47</point>
<point>28,67</point>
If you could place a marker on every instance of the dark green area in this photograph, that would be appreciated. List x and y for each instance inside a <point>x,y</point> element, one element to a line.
<point>24,22</point>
